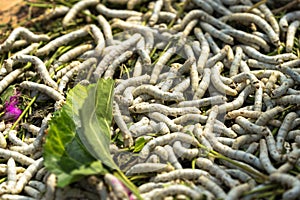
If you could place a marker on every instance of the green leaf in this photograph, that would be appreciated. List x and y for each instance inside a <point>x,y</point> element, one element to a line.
<point>139,144</point>
<point>64,153</point>
<point>96,119</point>
<point>7,93</point>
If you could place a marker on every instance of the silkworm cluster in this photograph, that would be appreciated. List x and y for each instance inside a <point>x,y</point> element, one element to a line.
<point>211,87</point>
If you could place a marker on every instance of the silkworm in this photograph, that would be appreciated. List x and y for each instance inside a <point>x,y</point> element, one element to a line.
<point>219,8</point>
<point>41,187</point>
<point>251,18</point>
<point>26,34</point>
<point>212,44</point>
<point>203,85</point>
<point>149,168</point>
<point>282,89</point>
<point>39,66</point>
<point>9,78</point>
<point>218,57</point>
<point>11,174</point>
<point>293,74</point>
<point>202,102</point>
<point>116,185</point>
<point>82,66</point>
<point>268,115</point>
<point>54,94</point>
<point>32,192</point>
<point>269,16</point>
<point>272,148</point>
<point>214,169</point>
<point>285,19</point>
<point>75,52</point>
<point>113,13</point>
<point>27,175</point>
<point>154,107</point>
<point>166,139</point>
<point>12,136</point>
<point>204,6</point>
<point>183,152</point>
<point>134,81</point>
<point>284,129</point>
<point>204,50</point>
<point>128,141</point>
<point>62,40</point>
<point>15,197</point>
<point>157,93</point>
<point>193,69</point>
<point>247,38</point>
<point>163,118</point>
<point>264,157</point>
<point>277,59</point>
<point>246,8</point>
<point>182,86</point>
<point>287,180</point>
<point>203,16</point>
<point>118,50</point>
<point>216,81</point>
<point>172,157</point>
<point>76,8</point>
<point>67,68</point>
<point>245,139</point>
<point>216,33</point>
<point>212,187</point>
<point>163,59</point>
<point>112,67</point>
<point>155,13</point>
<point>234,68</point>
<point>237,192</point>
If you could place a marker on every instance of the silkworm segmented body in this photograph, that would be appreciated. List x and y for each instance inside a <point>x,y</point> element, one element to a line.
<point>148,168</point>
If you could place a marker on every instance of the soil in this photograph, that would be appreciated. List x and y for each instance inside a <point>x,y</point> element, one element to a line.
<point>9,11</point>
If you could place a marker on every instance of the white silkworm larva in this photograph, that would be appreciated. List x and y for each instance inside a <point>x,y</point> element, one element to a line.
<point>116,186</point>
<point>212,187</point>
<point>252,148</point>
<point>157,93</point>
<point>189,27</point>
<point>23,32</point>
<point>284,129</point>
<point>183,152</point>
<point>113,13</point>
<point>11,174</point>
<point>204,50</point>
<point>200,14</point>
<point>277,59</point>
<point>54,94</point>
<point>166,139</point>
<point>39,66</point>
<point>186,174</point>
<point>218,57</point>
<point>234,68</point>
<point>3,142</point>
<point>237,192</point>
<point>272,148</point>
<point>17,156</point>
<point>216,81</point>
<point>193,69</point>
<point>212,44</point>
<point>245,139</point>
<point>134,81</point>
<point>98,37</point>
<point>246,8</point>
<point>32,192</point>
<point>155,13</point>
<point>196,48</point>
<point>268,115</point>
<point>204,6</point>
<point>264,157</point>
<point>172,157</point>
<point>50,182</point>
<point>271,82</point>
<point>67,68</point>
<point>219,8</point>
<point>163,118</point>
<point>27,175</point>
<point>118,50</point>
<point>62,40</point>
<point>128,141</point>
<point>285,19</point>
<point>202,102</point>
<point>105,26</point>
<point>243,113</point>
<point>290,36</point>
<point>76,8</point>
<point>269,16</point>
<point>289,71</point>
<point>186,66</point>
<point>12,136</point>
<point>78,68</point>
<point>182,86</point>
<point>252,18</point>
<point>177,189</point>
<point>214,169</point>
<point>287,180</point>
<point>155,107</point>
<point>258,98</point>
<point>162,60</point>
<point>40,186</point>
<point>203,85</point>
<point>148,168</point>
<point>73,53</point>
<point>247,38</point>
<point>112,67</point>
<point>217,33</point>
<point>15,197</point>
<point>282,89</point>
